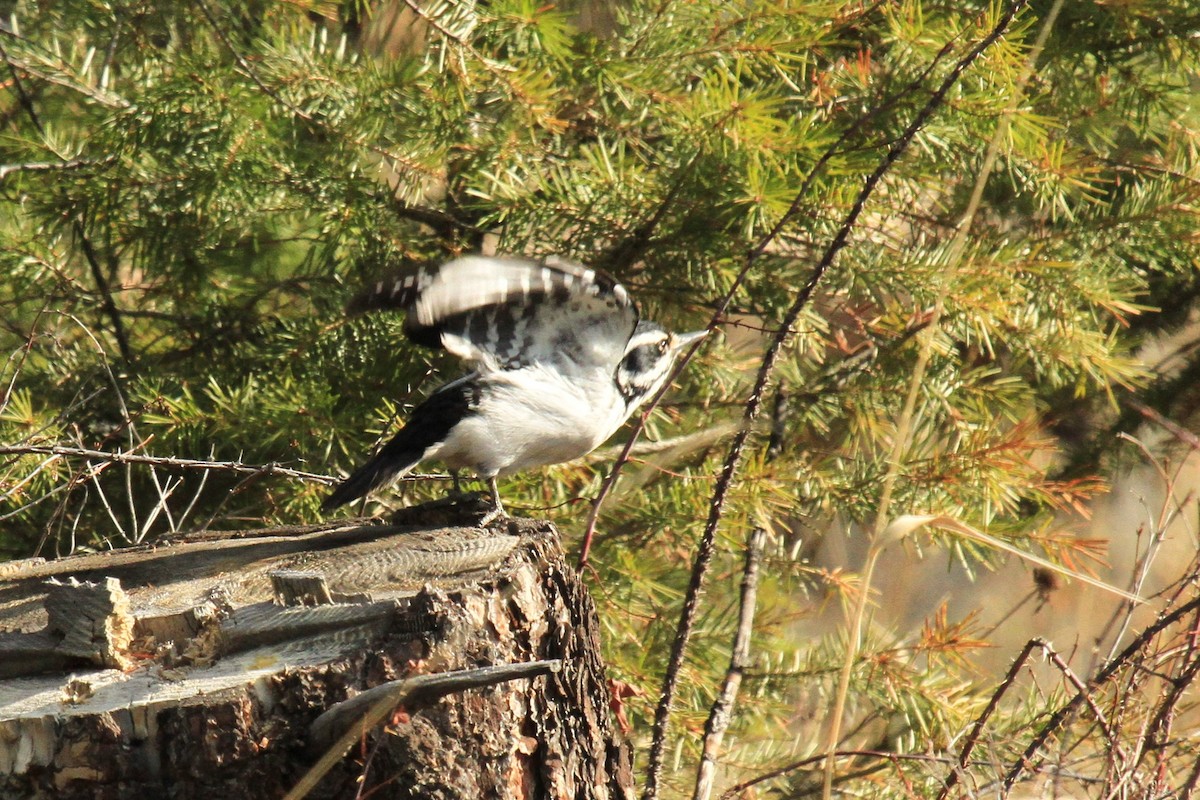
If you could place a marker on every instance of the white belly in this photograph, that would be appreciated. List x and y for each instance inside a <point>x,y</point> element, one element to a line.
<point>531,418</point>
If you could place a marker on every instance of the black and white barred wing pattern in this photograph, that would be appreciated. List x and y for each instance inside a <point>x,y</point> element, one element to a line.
<point>504,313</point>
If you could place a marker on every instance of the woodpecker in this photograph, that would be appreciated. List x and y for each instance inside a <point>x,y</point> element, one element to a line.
<point>559,359</point>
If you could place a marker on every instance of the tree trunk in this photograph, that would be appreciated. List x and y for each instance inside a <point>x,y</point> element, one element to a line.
<point>205,668</point>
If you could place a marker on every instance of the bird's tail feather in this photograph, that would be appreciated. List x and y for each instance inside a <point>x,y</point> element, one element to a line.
<point>388,464</point>
<point>431,422</point>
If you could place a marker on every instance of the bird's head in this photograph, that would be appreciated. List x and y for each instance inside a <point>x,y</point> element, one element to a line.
<point>649,356</point>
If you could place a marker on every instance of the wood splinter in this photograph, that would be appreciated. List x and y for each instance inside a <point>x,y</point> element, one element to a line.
<point>91,620</point>
<point>294,587</point>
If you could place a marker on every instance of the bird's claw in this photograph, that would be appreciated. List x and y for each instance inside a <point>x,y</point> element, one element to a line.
<point>491,516</point>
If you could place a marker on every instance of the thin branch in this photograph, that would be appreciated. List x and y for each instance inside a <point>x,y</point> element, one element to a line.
<point>160,507</point>
<point>704,551</point>
<point>94,474</point>
<point>497,69</point>
<point>75,480</point>
<point>964,756</point>
<point>1114,743</point>
<point>187,511</point>
<point>14,489</point>
<point>45,166</point>
<point>372,706</point>
<point>737,789</point>
<point>1145,558</point>
<point>1175,429</point>
<point>118,457</point>
<point>1157,730</point>
<point>1030,757</point>
<point>722,709</point>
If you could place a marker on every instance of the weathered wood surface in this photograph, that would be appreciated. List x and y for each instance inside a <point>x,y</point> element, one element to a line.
<point>197,669</point>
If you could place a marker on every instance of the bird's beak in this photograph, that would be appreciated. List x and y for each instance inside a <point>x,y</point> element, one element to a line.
<point>682,340</point>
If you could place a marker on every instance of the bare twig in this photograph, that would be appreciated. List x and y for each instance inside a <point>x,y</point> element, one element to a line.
<point>733,460</point>
<point>1157,730</point>
<point>1141,568</point>
<point>1175,429</point>
<point>187,511</point>
<point>62,487</point>
<point>1114,743</point>
<point>119,457</point>
<point>737,789</point>
<point>722,709</point>
<point>161,507</point>
<point>1030,757</point>
<point>964,756</point>
<point>372,706</point>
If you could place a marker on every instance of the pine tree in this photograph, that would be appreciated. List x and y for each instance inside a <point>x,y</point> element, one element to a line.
<point>190,192</point>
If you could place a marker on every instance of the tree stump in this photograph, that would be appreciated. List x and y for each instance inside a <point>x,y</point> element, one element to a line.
<point>225,665</point>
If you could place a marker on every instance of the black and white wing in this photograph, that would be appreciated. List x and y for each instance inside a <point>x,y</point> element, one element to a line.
<point>504,312</point>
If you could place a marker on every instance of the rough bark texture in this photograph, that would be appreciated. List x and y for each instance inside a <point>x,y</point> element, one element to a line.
<point>223,684</point>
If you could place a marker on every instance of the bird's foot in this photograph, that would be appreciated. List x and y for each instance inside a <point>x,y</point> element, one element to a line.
<point>497,513</point>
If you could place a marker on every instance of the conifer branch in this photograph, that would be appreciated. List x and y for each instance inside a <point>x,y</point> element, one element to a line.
<point>900,439</point>
<point>85,243</point>
<point>494,69</point>
<point>276,97</point>
<point>728,144</point>
<point>47,74</point>
<point>733,459</point>
<point>738,790</point>
<point>750,261</point>
<point>631,248</point>
<point>248,70</point>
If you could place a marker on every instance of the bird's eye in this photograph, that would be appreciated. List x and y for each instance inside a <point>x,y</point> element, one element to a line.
<point>662,346</point>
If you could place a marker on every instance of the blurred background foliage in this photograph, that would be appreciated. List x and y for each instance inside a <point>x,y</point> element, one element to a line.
<point>191,191</point>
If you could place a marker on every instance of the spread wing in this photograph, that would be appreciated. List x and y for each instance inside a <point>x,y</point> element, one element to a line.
<point>505,312</point>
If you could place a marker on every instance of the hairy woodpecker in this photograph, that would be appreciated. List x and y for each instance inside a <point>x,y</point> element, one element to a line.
<point>559,358</point>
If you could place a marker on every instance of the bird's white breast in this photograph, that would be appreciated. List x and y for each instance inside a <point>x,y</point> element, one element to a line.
<point>531,417</point>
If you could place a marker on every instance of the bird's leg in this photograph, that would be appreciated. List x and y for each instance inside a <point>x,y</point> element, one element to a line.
<point>496,495</point>
<point>457,490</point>
<point>497,511</point>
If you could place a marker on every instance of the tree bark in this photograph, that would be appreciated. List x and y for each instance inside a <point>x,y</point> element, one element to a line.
<point>200,669</point>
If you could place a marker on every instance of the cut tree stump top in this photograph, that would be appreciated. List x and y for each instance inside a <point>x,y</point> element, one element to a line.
<point>202,664</point>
